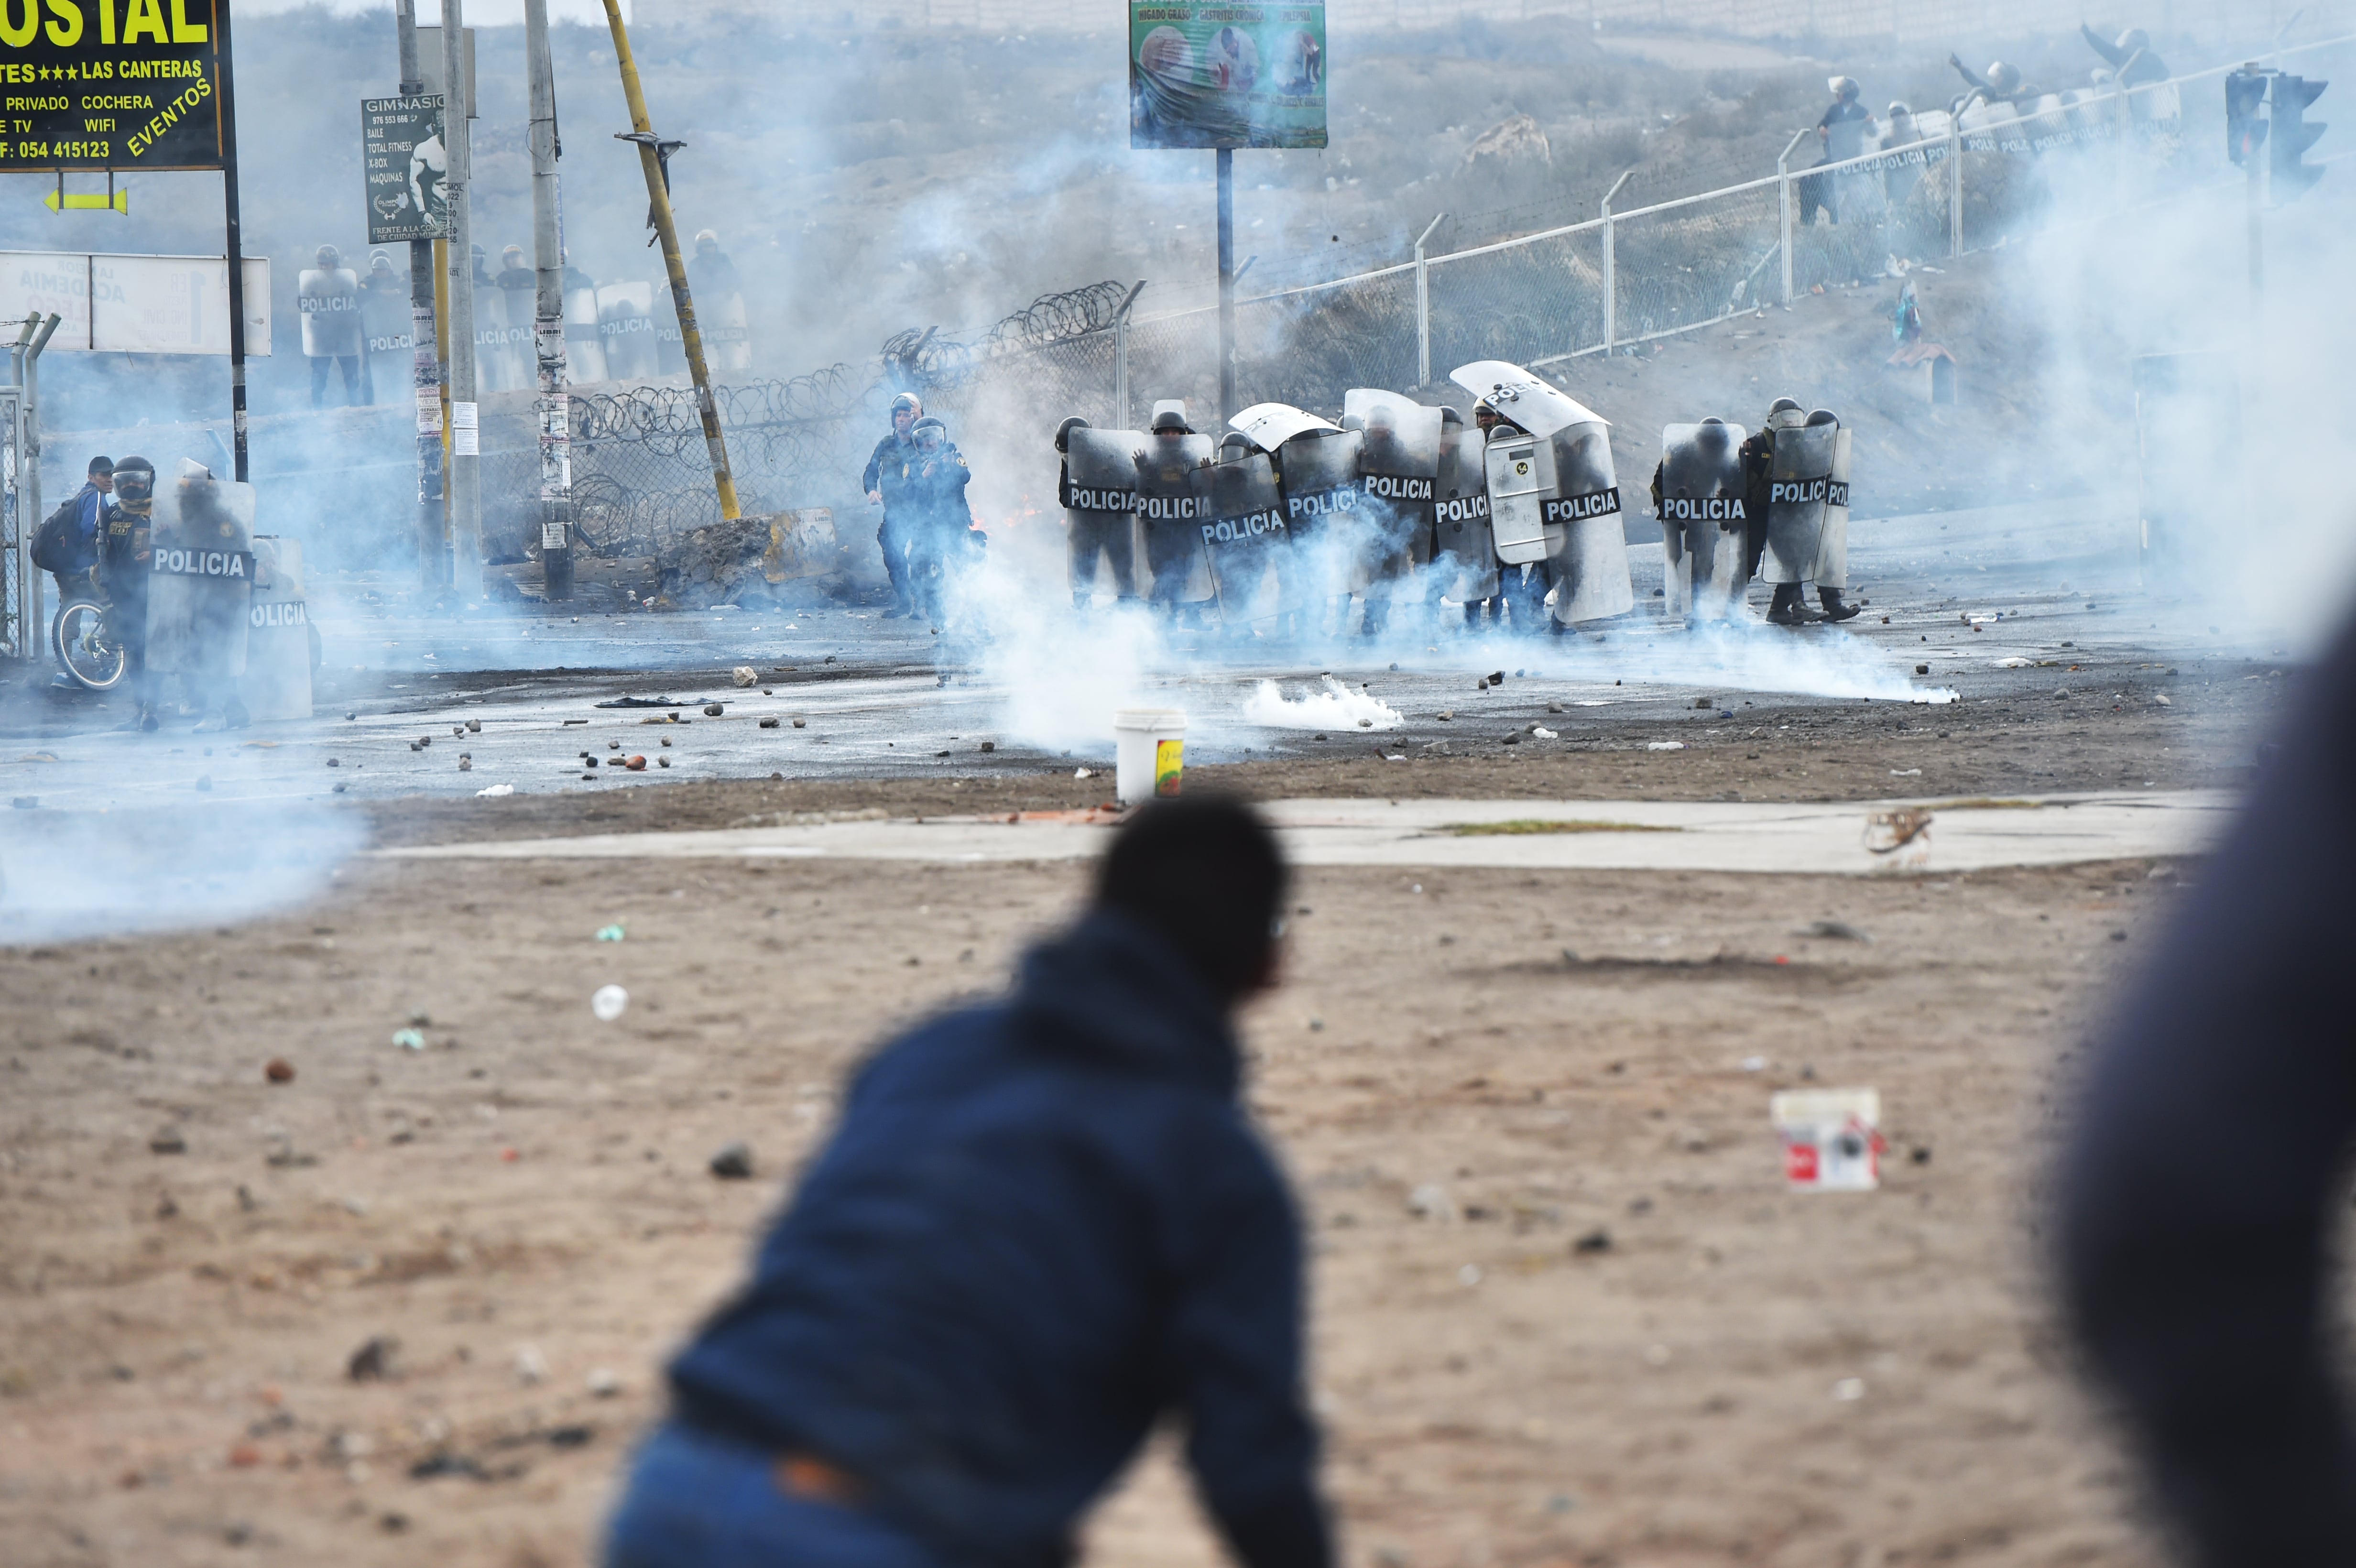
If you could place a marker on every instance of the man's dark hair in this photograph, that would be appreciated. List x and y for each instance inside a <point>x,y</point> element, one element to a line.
<point>102,465</point>
<point>1204,874</point>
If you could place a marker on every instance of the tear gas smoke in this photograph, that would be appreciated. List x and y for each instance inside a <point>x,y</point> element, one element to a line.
<point>67,875</point>
<point>1334,708</point>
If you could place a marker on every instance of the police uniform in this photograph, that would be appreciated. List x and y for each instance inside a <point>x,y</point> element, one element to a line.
<point>125,558</point>
<point>886,475</point>
<point>941,539</point>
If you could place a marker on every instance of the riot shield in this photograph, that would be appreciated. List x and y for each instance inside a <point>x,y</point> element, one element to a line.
<point>200,580</point>
<point>1702,518</point>
<point>584,350</point>
<point>1521,481</point>
<point>1242,529</point>
<point>329,302</point>
<point>277,679</point>
<point>1832,553</point>
<point>384,326</point>
<point>1524,399</point>
<point>1465,560</point>
<point>1398,459</point>
<point>1103,467</point>
<point>1585,540</point>
<point>727,340</point>
<point>1799,478</point>
<point>1270,425</point>
<point>626,326</point>
<point>1170,511</point>
<point>495,363</point>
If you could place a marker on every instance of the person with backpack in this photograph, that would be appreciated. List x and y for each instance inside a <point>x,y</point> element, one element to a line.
<point>66,546</point>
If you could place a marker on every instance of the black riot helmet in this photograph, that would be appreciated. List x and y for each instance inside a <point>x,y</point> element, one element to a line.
<point>1064,432</point>
<point>134,479</point>
<point>929,434</point>
<point>1823,416</point>
<point>1713,434</point>
<point>1235,446</point>
<point>1783,406</point>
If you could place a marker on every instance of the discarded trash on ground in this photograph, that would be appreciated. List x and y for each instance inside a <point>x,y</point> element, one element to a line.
<point>409,1040</point>
<point>613,932</point>
<point>607,1003</point>
<point>1832,1141</point>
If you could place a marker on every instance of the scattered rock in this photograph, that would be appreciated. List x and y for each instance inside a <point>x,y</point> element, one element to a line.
<point>1837,931</point>
<point>992,745</point>
<point>734,1162</point>
<point>636,765</point>
<point>801,723</point>
<point>604,1383</point>
<point>372,1363</point>
<point>168,1140</point>
<point>712,711</point>
<point>1599,1240</point>
<point>531,1366</point>
<point>205,782</point>
<point>1431,1202</point>
<point>1922,669</point>
<point>466,763</point>
<point>278,1070</point>
<point>746,675</point>
<point>474,726</point>
<point>765,724</point>
<point>1497,678</point>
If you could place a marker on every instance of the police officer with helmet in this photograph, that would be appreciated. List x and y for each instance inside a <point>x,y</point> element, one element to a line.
<point>125,558</point>
<point>886,484</point>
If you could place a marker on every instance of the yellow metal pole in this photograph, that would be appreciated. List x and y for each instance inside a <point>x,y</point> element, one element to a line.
<point>442,356</point>
<point>673,262</point>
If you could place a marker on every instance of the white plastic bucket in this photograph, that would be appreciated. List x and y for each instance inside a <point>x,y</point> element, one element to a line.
<point>1832,1139</point>
<point>1151,753</point>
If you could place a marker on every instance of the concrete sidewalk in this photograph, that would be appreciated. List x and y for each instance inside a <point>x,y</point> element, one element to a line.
<point>1588,835</point>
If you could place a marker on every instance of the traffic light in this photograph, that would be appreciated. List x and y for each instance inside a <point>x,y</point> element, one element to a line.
<point>2245,128</point>
<point>2292,136</point>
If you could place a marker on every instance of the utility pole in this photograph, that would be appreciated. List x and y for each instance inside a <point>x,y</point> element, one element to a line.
<point>425,360</point>
<point>237,418</point>
<point>465,430</point>
<point>1227,282</point>
<point>548,313</point>
<point>650,158</point>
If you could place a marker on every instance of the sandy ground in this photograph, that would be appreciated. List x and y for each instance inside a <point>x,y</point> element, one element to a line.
<point>530,1188</point>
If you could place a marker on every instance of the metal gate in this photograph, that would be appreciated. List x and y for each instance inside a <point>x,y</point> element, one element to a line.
<point>21,628</point>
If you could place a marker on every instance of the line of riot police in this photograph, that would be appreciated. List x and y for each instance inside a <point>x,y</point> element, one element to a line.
<point>1401,507</point>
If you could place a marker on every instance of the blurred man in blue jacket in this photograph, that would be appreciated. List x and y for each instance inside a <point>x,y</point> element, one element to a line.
<point>1042,1225</point>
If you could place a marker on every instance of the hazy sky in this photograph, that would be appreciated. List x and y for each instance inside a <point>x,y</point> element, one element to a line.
<point>478,13</point>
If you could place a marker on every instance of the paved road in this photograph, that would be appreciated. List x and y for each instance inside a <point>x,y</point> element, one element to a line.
<point>883,697</point>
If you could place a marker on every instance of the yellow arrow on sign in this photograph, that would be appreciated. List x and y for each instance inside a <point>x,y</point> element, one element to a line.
<point>75,201</point>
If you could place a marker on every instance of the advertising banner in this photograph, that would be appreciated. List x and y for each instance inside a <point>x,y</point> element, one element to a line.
<point>135,304</point>
<point>1226,75</point>
<point>404,164</point>
<point>108,84</point>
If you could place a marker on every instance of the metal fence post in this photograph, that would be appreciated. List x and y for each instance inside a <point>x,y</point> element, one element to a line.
<point>1423,307</point>
<point>1955,186</point>
<point>1783,201</point>
<point>1611,274</point>
<point>1120,358</point>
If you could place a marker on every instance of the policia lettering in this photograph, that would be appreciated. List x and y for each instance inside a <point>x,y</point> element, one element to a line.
<point>108,84</point>
<point>1575,509</point>
<point>1832,492</point>
<point>1716,509</point>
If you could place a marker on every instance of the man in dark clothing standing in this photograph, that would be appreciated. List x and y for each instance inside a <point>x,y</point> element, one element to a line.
<point>1841,134</point>
<point>86,534</point>
<point>886,482</point>
<point>126,556</point>
<point>1042,1225</point>
<point>2203,1197</point>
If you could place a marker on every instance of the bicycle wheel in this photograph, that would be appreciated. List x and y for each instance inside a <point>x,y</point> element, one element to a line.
<point>79,639</point>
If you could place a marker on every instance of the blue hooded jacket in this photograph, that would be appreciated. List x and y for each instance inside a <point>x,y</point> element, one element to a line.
<point>1041,1224</point>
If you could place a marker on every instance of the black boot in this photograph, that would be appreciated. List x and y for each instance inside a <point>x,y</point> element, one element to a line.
<point>1786,609</point>
<point>1835,610</point>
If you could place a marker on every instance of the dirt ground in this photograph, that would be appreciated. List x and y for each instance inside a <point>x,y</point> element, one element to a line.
<point>1620,1340</point>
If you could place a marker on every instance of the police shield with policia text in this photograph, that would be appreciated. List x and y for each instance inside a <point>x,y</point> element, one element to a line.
<point>1172,510</point>
<point>1799,452</point>
<point>1316,466</point>
<point>1464,556</point>
<point>1243,524</point>
<point>1098,489</point>
<point>1399,462</point>
<point>200,586</point>
<point>1697,495</point>
<point>1553,496</point>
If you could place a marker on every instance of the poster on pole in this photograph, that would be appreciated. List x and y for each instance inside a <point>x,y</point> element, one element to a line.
<point>1226,75</point>
<point>402,161</point>
<point>94,84</point>
<point>134,304</point>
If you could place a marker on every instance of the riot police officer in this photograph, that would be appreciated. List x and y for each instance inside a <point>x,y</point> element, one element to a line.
<point>1094,531</point>
<point>1173,547</point>
<point>125,557</point>
<point>886,481</point>
<point>941,538</point>
<point>327,296</point>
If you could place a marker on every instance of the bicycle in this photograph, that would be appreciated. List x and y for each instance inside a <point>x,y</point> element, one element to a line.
<point>84,646</point>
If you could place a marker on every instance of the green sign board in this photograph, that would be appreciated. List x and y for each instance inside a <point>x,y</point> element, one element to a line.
<point>1225,75</point>
<point>110,84</point>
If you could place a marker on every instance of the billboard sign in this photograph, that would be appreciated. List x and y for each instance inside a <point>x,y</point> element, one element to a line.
<point>403,160</point>
<point>98,84</point>
<point>1226,75</point>
<point>134,304</point>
